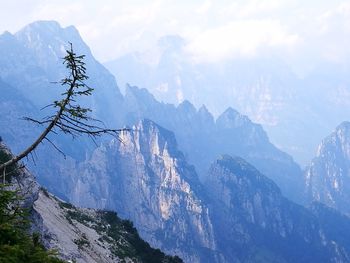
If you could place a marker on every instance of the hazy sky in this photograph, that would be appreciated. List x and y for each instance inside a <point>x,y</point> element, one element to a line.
<point>213,30</point>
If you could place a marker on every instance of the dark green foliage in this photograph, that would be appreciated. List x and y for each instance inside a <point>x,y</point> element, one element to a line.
<point>82,242</point>
<point>16,244</point>
<point>78,216</point>
<point>65,205</point>
<point>138,248</point>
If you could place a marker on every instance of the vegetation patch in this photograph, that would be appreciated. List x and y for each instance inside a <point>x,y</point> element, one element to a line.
<point>127,242</point>
<point>82,242</point>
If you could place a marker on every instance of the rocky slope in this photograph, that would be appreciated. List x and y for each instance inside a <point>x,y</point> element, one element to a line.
<point>257,224</point>
<point>80,235</point>
<point>328,176</point>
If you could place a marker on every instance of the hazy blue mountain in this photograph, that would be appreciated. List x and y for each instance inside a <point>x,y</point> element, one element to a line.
<point>266,89</point>
<point>202,138</point>
<point>255,223</point>
<point>31,60</point>
<point>328,176</point>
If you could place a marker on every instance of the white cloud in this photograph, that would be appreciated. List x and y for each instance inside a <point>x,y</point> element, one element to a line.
<point>240,38</point>
<point>214,29</point>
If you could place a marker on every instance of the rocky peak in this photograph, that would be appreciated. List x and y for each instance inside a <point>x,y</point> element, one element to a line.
<point>6,36</point>
<point>138,101</point>
<point>151,139</point>
<point>49,36</point>
<point>231,118</point>
<point>242,188</point>
<point>204,112</point>
<point>205,119</point>
<point>328,176</point>
<point>187,108</point>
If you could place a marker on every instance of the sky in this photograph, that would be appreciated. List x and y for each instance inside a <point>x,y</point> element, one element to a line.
<point>305,32</point>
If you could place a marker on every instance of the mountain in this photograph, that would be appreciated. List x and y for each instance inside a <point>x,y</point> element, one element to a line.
<point>79,235</point>
<point>265,88</point>
<point>256,223</point>
<point>328,176</point>
<point>147,180</point>
<point>202,138</point>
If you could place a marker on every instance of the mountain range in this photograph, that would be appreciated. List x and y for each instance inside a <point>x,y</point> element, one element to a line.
<point>205,188</point>
<point>265,88</point>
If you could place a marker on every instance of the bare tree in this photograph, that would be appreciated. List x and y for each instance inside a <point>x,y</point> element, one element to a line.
<point>69,117</point>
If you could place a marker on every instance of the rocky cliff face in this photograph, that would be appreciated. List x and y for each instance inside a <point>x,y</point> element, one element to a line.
<point>148,181</point>
<point>80,235</point>
<point>256,223</point>
<point>328,176</point>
